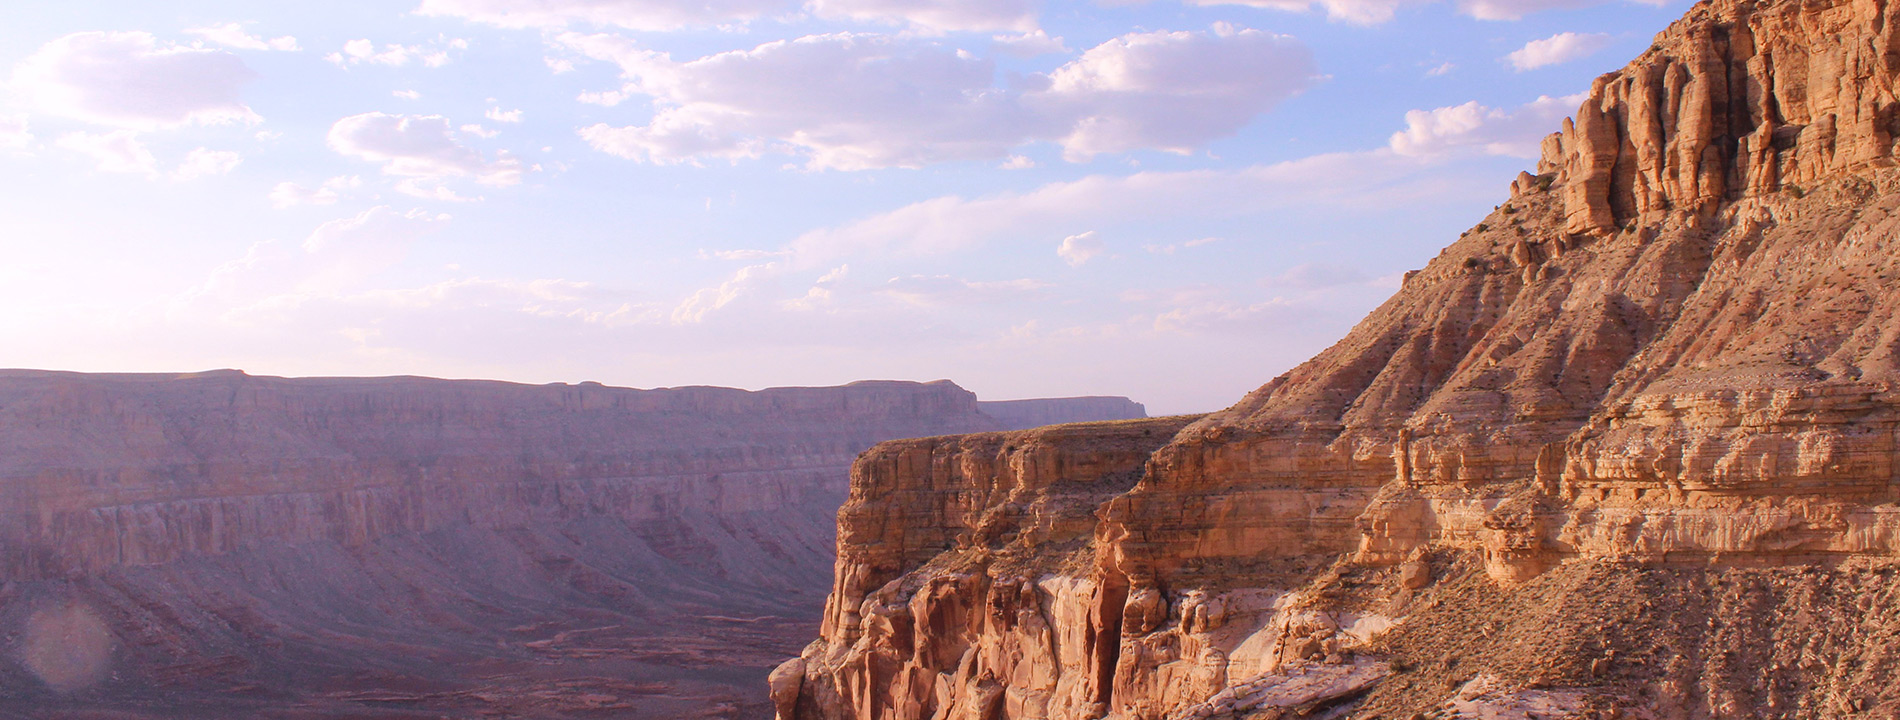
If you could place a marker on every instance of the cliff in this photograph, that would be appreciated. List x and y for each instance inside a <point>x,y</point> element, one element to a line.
<point>225,545</point>
<point>1026,414</point>
<point>1624,449</point>
<point>103,470</point>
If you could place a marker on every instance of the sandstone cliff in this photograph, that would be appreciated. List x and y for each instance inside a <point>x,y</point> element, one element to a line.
<point>224,545</point>
<point>1026,414</point>
<point>1626,448</point>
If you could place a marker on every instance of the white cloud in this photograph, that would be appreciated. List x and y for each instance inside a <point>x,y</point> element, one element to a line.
<point>1491,130</point>
<point>820,292</point>
<point>1029,44</point>
<point>290,194</point>
<point>13,133</point>
<point>480,132</point>
<point>856,101</point>
<point>1078,249</point>
<point>629,14</point>
<point>1559,48</point>
<point>362,51</point>
<point>421,148</point>
<point>1017,162</point>
<point>118,151</point>
<point>1372,12</point>
<point>935,15</point>
<point>496,114</point>
<point>697,306</point>
<point>406,94</point>
<point>203,162</point>
<point>233,35</point>
<point>559,65</point>
<point>130,80</point>
<point>1441,70</point>
<point>1175,90</point>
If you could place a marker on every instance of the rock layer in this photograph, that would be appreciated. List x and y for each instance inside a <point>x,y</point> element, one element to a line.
<point>223,545</point>
<point>1673,350</point>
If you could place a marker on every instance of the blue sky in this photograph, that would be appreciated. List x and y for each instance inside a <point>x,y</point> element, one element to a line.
<point>1171,201</point>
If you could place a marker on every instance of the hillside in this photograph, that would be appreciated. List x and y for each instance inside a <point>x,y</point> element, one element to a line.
<point>1624,449</point>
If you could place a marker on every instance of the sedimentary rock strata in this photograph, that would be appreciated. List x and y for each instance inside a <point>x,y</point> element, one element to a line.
<point>223,545</point>
<point>1665,366</point>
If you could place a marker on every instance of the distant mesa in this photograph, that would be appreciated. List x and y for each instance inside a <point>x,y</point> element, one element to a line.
<point>225,545</point>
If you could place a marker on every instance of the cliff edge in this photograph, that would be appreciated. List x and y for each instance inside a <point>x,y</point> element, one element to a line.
<point>1624,449</point>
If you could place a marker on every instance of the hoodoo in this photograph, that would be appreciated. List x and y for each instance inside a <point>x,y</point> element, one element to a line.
<point>1627,448</point>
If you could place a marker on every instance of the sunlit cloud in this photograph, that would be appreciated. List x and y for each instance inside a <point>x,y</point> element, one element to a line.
<point>854,101</point>
<point>233,35</point>
<point>131,80</point>
<point>1557,49</point>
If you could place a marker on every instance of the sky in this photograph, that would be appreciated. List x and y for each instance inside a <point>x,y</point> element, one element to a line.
<point>1174,200</point>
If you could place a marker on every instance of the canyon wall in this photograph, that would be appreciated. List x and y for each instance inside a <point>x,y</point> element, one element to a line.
<point>102,470</point>
<point>1624,449</point>
<point>225,545</point>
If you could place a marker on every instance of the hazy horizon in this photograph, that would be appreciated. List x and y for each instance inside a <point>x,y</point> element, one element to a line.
<point>1172,202</point>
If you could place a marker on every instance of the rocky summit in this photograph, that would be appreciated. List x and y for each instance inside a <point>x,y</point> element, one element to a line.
<point>1627,448</point>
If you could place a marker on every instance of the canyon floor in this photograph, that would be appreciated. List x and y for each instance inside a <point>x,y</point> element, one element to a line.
<point>593,618</point>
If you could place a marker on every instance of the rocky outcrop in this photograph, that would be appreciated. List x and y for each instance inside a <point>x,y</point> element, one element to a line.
<point>1737,99</point>
<point>1665,365</point>
<point>964,575</point>
<point>224,545</point>
<point>1026,414</point>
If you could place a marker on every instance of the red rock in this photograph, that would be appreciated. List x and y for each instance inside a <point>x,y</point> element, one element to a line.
<point>1679,349</point>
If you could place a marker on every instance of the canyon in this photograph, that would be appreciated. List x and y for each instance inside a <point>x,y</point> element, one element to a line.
<point>218,544</point>
<point>1624,449</point>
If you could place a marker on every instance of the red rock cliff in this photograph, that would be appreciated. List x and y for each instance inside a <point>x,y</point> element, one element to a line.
<point>1655,391</point>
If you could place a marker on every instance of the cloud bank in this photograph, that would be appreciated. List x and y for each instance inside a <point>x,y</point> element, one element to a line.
<point>850,101</point>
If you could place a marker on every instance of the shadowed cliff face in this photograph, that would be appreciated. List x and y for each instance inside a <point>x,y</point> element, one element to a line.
<point>1667,366</point>
<point>220,545</point>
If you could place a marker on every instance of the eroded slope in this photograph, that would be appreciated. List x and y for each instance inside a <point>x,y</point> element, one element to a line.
<point>1666,365</point>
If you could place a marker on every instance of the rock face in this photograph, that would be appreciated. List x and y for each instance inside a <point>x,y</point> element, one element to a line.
<point>222,545</point>
<point>1626,447</point>
<point>963,568</point>
<point>1026,414</point>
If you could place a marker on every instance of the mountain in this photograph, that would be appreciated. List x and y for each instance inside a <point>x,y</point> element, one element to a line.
<point>221,545</point>
<point>1626,448</point>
